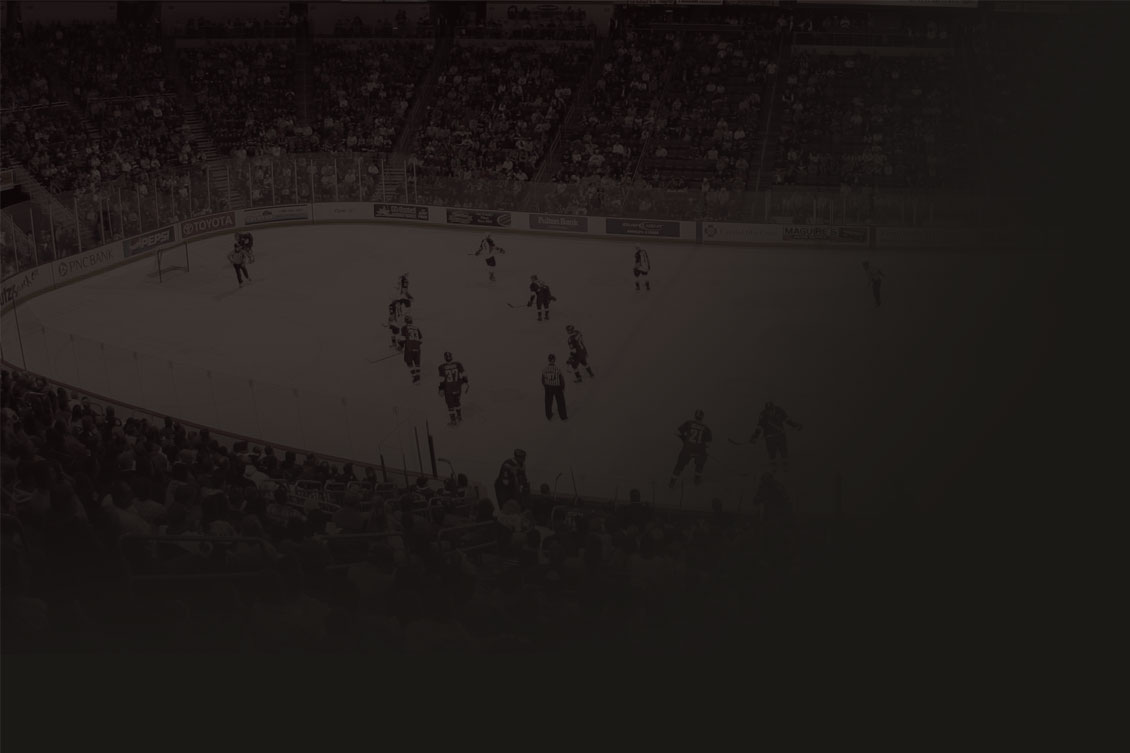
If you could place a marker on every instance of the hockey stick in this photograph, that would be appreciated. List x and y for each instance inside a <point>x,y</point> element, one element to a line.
<point>513,306</point>
<point>385,358</point>
<point>725,467</point>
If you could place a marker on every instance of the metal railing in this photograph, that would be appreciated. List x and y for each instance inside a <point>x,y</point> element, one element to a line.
<point>146,201</point>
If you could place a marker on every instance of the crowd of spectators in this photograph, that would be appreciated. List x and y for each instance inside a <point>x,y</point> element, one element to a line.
<point>98,116</point>
<point>618,117</point>
<point>285,24</point>
<point>26,82</point>
<point>495,109</point>
<point>363,91</point>
<point>871,119</point>
<point>1010,82</point>
<point>246,93</point>
<point>875,26</point>
<point>671,122</point>
<point>522,23</point>
<point>51,142</point>
<point>397,27</point>
<point>239,547</point>
<point>672,118</point>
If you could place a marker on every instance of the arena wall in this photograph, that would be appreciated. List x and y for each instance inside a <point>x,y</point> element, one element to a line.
<point>31,282</point>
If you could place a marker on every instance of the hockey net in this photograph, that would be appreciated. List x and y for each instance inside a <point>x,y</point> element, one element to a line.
<point>169,261</point>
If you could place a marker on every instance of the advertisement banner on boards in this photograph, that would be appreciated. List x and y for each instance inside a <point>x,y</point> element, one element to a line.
<point>288,213</point>
<point>733,232</point>
<point>343,211</point>
<point>916,236</point>
<point>823,233</point>
<point>400,212</point>
<point>478,217</point>
<point>24,284</point>
<point>660,228</point>
<point>566,222</point>
<point>141,243</point>
<point>89,262</point>
<point>212,223</point>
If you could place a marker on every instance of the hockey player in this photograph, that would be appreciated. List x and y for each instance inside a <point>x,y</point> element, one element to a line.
<point>554,383</point>
<point>246,242</point>
<point>875,276</point>
<point>539,292</point>
<point>641,268</point>
<point>397,311</point>
<point>410,339</point>
<point>238,259</point>
<point>578,354</point>
<point>402,287</point>
<point>489,249</point>
<point>512,482</point>
<point>696,440</point>
<point>453,380</point>
<point>772,423</point>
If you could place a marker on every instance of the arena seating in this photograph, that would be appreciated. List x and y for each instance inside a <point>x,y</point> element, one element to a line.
<point>363,90</point>
<point>222,545</point>
<point>494,111</point>
<point>872,120</point>
<point>140,533</point>
<point>246,94</point>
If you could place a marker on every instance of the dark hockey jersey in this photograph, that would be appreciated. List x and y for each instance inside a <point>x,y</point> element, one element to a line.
<point>772,422</point>
<point>695,435</point>
<point>453,376</point>
<point>576,343</point>
<point>410,334</point>
<point>396,309</point>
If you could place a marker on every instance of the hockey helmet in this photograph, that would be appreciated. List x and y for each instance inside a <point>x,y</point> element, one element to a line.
<point>447,355</point>
<point>408,320</point>
<point>570,328</point>
<point>552,358</point>
<point>698,414</point>
<point>519,454</point>
<point>533,277</point>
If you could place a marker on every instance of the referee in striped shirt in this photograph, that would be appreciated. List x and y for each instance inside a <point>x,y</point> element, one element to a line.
<point>554,384</point>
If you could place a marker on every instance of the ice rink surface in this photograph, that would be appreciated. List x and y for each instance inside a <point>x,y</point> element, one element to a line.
<point>894,401</point>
